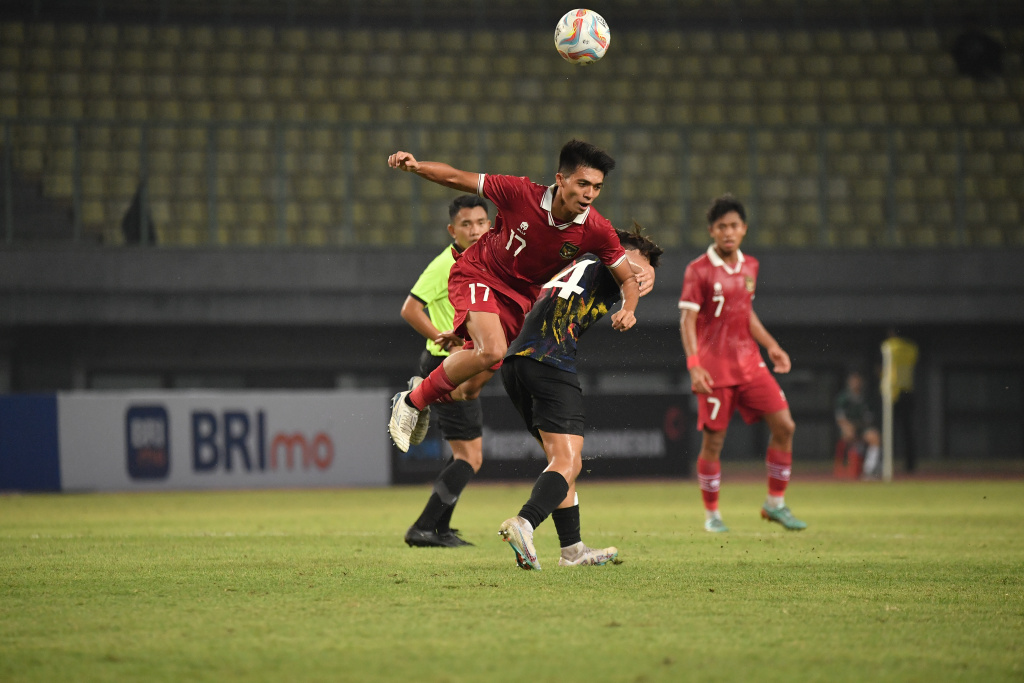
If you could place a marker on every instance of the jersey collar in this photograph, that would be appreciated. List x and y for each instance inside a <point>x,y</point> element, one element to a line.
<point>545,203</point>
<point>717,261</point>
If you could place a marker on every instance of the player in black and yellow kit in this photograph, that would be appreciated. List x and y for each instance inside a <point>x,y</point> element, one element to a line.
<point>539,373</point>
<point>429,312</point>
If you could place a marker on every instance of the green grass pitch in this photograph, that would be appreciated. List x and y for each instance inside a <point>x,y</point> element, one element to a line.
<point>913,581</point>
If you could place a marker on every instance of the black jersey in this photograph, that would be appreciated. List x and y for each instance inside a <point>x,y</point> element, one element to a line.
<point>570,303</point>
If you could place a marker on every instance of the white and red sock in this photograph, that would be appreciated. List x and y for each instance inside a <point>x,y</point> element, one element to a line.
<point>779,463</point>
<point>709,476</point>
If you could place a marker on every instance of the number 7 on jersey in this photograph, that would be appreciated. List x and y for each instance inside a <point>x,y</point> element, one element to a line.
<point>522,244</point>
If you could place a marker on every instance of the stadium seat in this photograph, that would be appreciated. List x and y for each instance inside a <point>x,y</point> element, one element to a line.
<point>777,80</point>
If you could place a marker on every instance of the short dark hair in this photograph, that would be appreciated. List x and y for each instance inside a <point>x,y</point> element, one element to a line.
<point>465,201</point>
<point>723,205</point>
<point>636,239</point>
<point>577,153</point>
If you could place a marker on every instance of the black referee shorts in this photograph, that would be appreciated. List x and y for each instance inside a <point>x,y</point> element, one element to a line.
<point>548,399</point>
<point>460,420</point>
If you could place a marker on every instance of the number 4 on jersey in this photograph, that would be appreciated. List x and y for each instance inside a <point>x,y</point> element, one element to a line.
<point>568,281</point>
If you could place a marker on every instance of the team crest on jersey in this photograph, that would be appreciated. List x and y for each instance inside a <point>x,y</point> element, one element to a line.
<point>568,250</point>
<point>749,282</point>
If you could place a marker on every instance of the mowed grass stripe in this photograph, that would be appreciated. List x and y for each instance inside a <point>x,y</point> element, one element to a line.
<point>909,581</point>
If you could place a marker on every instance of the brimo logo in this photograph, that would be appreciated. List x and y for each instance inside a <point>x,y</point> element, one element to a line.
<point>233,437</point>
<point>147,436</point>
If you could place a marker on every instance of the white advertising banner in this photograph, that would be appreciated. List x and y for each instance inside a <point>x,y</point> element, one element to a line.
<point>144,441</point>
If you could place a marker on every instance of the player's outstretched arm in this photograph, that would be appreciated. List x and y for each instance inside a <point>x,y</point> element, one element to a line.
<point>435,172</point>
<point>625,318</point>
<point>779,358</point>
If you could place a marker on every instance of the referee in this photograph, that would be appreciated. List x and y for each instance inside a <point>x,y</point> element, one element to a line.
<point>429,312</point>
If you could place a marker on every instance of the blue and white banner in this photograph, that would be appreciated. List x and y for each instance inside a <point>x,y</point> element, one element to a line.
<point>143,441</point>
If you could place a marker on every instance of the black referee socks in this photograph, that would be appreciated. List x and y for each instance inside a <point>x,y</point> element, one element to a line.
<point>447,488</point>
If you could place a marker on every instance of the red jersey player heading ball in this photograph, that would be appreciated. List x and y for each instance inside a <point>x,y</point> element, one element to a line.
<point>538,230</point>
<point>721,333</point>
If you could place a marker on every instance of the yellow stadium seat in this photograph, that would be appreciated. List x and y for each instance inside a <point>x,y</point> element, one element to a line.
<point>198,37</point>
<point>862,41</point>
<point>703,41</point>
<point>224,61</point>
<point>93,212</point>
<point>250,187</point>
<point>168,36</point>
<point>1005,113</point>
<point>128,84</point>
<point>894,40</point>
<point>766,42</point>
<point>734,41</point>
<point>829,42</point>
<point>784,66</point>
<point>160,186</point>
<point>262,111</point>
<point>925,40</point>
<point>906,114</point>
<point>12,33</point>
<point>131,59</point>
<point>41,33</point>
<point>58,185</point>
<point>938,113</point>
<point>70,59</point>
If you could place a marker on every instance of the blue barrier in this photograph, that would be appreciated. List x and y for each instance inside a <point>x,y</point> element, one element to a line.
<point>29,449</point>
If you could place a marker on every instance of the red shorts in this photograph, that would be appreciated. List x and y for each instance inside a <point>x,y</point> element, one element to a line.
<point>469,291</point>
<point>755,399</point>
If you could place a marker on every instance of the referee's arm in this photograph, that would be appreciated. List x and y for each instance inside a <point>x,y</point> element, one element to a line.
<point>413,313</point>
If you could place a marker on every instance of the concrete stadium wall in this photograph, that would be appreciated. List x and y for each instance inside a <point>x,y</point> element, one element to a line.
<point>140,286</point>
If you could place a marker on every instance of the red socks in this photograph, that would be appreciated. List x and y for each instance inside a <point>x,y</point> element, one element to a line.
<point>433,389</point>
<point>779,463</point>
<point>709,475</point>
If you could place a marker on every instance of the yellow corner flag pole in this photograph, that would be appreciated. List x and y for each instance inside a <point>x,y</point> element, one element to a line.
<point>899,356</point>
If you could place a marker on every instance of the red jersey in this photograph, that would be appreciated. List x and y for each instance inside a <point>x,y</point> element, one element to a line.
<point>526,246</point>
<point>722,296</point>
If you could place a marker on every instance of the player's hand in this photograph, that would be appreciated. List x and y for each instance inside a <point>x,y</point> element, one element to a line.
<point>448,340</point>
<point>403,161</point>
<point>780,358</point>
<point>644,276</point>
<point>622,320</point>
<point>700,380</point>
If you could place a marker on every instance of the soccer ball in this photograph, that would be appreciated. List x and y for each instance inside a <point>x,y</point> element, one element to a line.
<point>582,37</point>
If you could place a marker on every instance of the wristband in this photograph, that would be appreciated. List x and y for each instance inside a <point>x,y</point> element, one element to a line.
<point>692,361</point>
